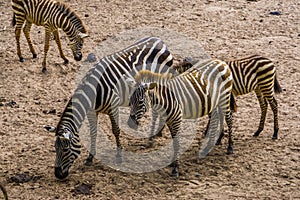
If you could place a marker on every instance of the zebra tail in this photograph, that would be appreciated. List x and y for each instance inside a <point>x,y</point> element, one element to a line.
<point>233,105</point>
<point>277,87</point>
<point>13,21</point>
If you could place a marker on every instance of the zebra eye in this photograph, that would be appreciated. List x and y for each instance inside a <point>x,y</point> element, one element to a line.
<point>65,145</point>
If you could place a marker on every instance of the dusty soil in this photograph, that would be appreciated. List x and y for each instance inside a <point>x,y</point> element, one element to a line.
<point>260,168</point>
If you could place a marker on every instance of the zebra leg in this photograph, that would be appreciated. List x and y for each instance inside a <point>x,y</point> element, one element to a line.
<point>18,35</point>
<point>221,117</point>
<point>46,47</point>
<point>273,104</point>
<point>207,125</point>
<point>152,130</point>
<point>161,126</point>
<point>57,40</point>
<point>263,107</point>
<point>114,118</point>
<point>174,129</point>
<point>26,31</point>
<point>92,118</point>
<point>228,119</point>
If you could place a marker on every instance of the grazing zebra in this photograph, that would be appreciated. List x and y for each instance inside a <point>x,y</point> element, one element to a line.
<point>52,15</point>
<point>191,95</point>
<point>103,90</point>
<point>253,73</point>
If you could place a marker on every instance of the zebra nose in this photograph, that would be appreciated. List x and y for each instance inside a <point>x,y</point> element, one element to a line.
<point>78,57</point>
<point>60,174</point>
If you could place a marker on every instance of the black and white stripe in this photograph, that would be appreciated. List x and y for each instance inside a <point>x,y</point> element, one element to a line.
<point>254,73</point>
<point>52,15</point>
<point>196,93</point>
<point>103,90</point>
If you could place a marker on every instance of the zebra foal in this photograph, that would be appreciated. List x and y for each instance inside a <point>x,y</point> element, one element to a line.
<point>52,15</point>
<point>202,90</point>
<point>104,90</point>
<point>253,73</point>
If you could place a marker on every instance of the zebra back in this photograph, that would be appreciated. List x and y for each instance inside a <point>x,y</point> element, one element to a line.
<point>198,90</point>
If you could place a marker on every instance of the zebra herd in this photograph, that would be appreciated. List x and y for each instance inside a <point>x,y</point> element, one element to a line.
<point>142,76</point>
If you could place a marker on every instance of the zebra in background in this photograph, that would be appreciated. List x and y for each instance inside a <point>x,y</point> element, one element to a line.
<point>103,90</point>
<point>253,73</point>
<point>52,15</point>
<point>191,95</point>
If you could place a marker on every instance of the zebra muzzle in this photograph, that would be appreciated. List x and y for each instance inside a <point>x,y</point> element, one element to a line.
<point>78,57</point>
<point>60,174</point>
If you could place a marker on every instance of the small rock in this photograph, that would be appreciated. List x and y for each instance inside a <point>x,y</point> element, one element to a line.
<point>82,189</point>
<point>12,104</point>
<point>23,178</point>
<point>275,13</point>
<point>91,58</point>
<point>52,111</point>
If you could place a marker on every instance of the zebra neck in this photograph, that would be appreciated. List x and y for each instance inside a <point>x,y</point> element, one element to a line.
<point>75,113</point>
<point>70,23</point>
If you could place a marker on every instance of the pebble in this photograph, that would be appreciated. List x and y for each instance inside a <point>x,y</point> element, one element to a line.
<point>91,58</point>
<point>275,13</point>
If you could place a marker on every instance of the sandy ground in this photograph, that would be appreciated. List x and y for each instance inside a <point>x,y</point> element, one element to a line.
<point>259,168</point>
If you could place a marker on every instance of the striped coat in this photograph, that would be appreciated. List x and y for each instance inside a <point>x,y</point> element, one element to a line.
<point>253,73</point>
<point>53,15</point>
<point>204,89</point>
<point>104,90</point>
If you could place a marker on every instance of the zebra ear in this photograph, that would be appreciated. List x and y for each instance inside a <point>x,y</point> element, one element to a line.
<point>150,86</point>
<point>66,135</point>
<point>49,128</point>
<point>83,35</point>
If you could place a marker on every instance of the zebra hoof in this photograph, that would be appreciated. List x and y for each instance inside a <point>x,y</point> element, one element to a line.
<point>256,134</point>
<point>44,69</point>
<point>175,173</point>
<point>229,150</point>
<point>88,162</point>
<point>275,137</point>
<point>34,56</point>
<point>219,142</point>
<point>66,61</point>
<point>119,160</point>
<point>22,59</point>
<point>150,144</point>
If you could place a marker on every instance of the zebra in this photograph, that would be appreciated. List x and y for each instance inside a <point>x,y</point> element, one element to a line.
<point>52,15</point>
<point>104,90</point>
<point>191,95</point>
<point>253,73</point>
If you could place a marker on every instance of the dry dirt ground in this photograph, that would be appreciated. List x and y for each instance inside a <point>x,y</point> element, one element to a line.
<point>260,168</point>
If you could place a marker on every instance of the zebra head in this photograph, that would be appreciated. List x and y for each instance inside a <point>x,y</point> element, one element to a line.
<point>67,147</point>
<point>76,44</point>
<point>184,65</point>
<point>139,103</point>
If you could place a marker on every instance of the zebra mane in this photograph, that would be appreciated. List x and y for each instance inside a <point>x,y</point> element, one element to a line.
<point>146,76</point>
<point>72,16</point>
